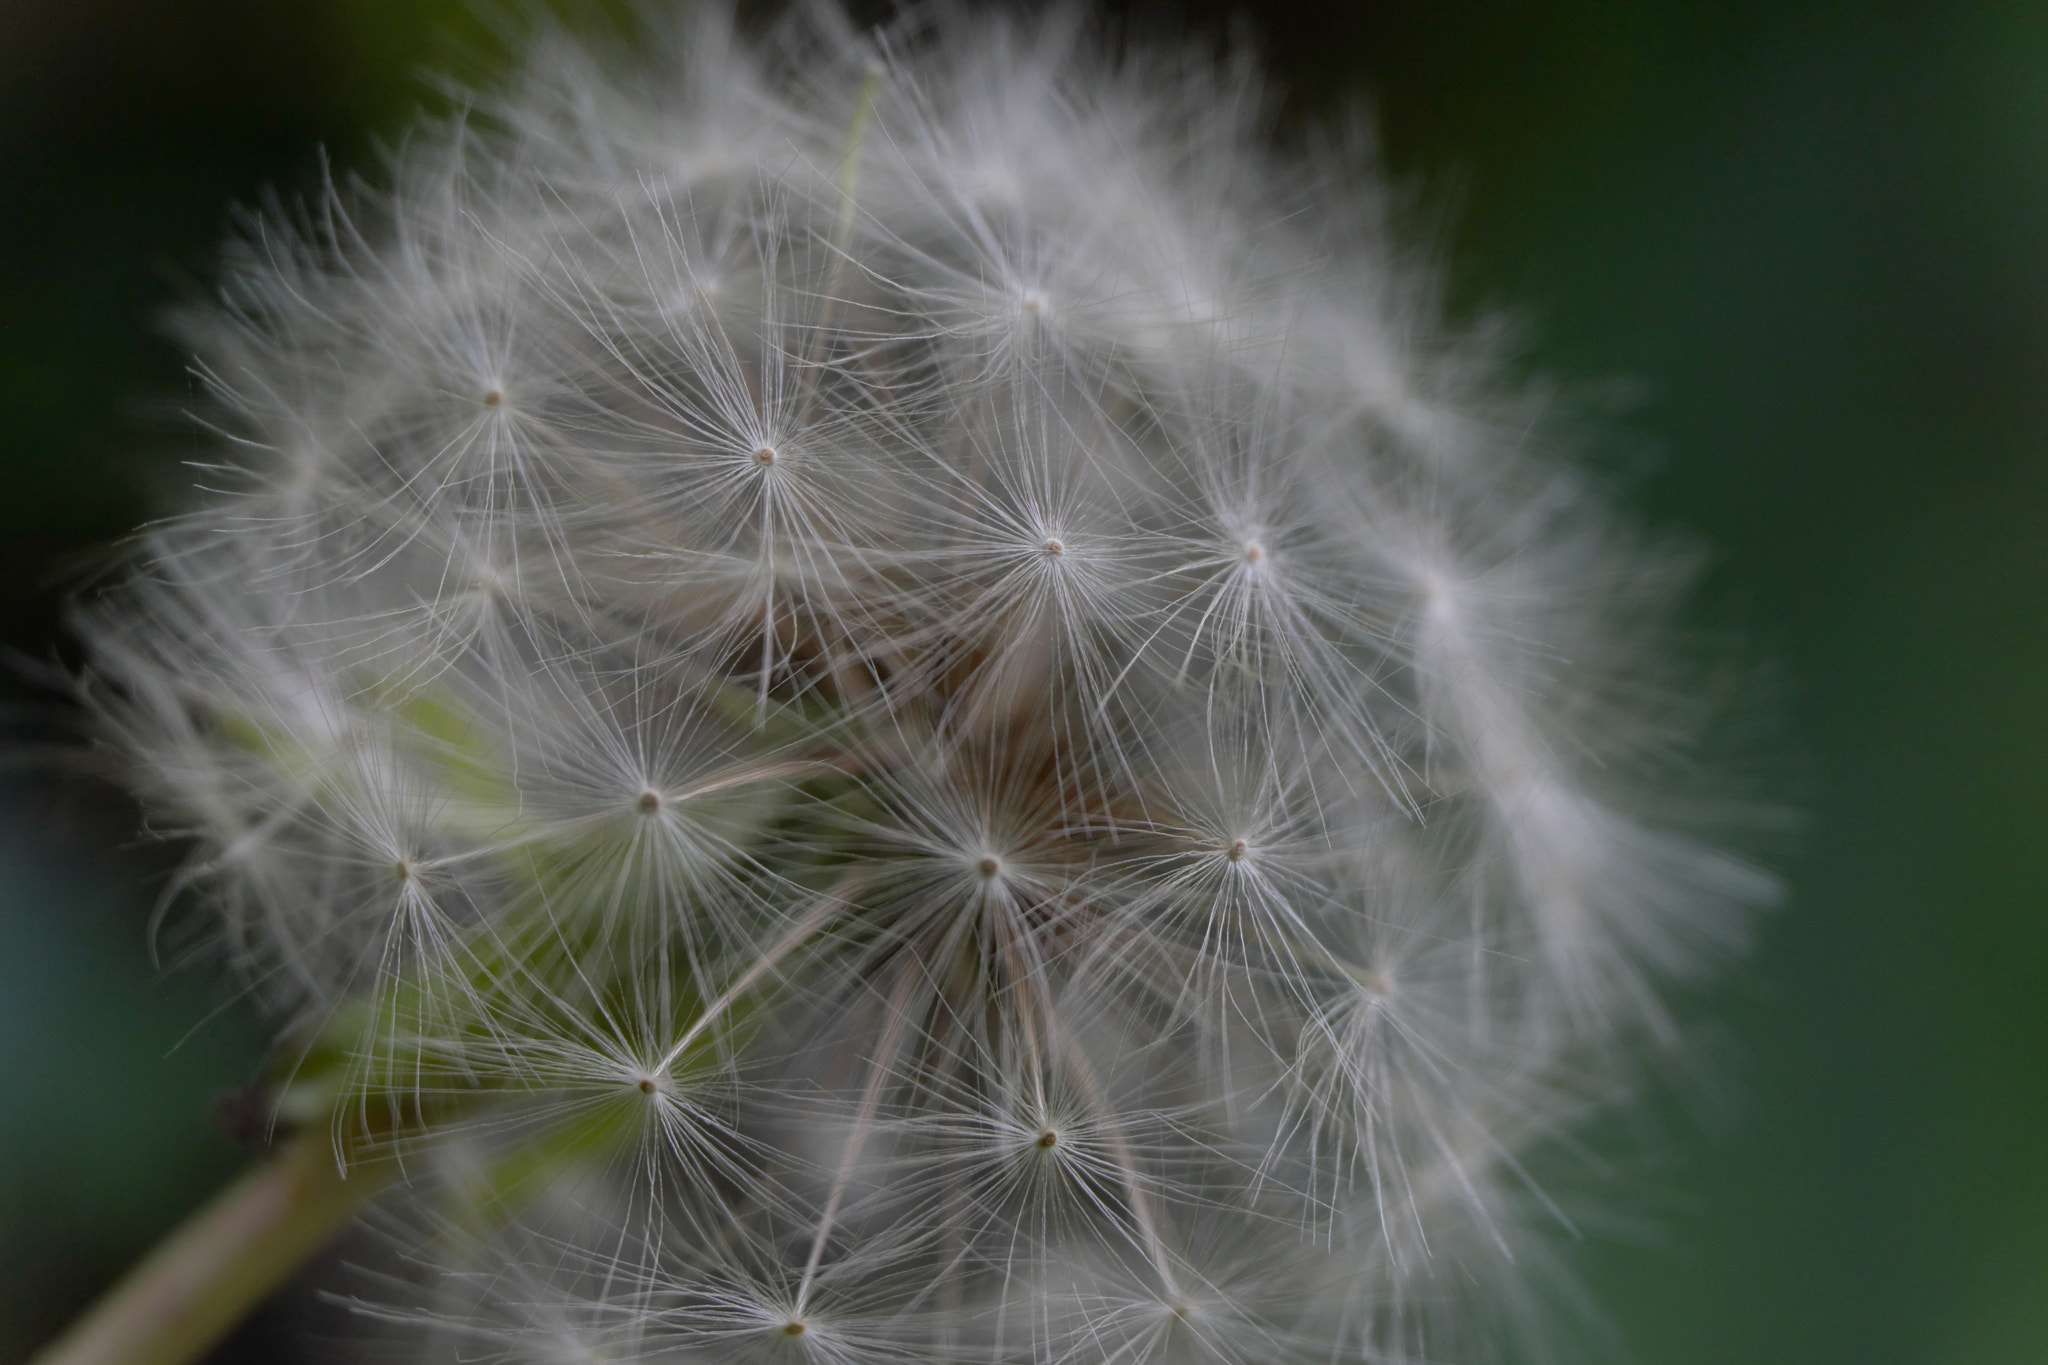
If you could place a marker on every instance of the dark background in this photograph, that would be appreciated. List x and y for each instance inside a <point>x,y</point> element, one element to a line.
<point>1813,240</point>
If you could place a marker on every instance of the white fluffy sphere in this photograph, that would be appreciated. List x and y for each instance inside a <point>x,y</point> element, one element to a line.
<point>894,697</point>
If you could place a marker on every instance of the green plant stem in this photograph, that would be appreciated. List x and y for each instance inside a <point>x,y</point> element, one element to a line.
<point>205,1277</point>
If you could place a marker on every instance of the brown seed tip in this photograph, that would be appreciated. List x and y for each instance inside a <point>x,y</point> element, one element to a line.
<point>989,865</point>
<point>492,398</point>
<point>1253,552</point>
<point>1054,548</point>
<point>794,1329</point>
<point>1048,1138</point>
<point>650,801</point>
<point>1238,848</point>
<point>403,869</point>
<point>648,1085</point>
<point>764,455</point>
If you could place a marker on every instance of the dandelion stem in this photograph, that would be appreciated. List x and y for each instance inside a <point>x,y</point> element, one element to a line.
<point>205,1277</point>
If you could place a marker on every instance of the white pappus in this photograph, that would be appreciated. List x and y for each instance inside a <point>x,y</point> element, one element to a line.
<point>894,696</point>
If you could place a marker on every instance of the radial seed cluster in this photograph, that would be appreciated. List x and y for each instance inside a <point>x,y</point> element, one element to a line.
<point>892,697</point>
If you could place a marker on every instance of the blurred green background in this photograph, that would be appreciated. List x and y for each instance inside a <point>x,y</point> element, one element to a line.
<point>1807,240</point>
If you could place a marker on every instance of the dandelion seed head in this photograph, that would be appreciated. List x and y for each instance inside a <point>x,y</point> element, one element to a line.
<point>901,689</point>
